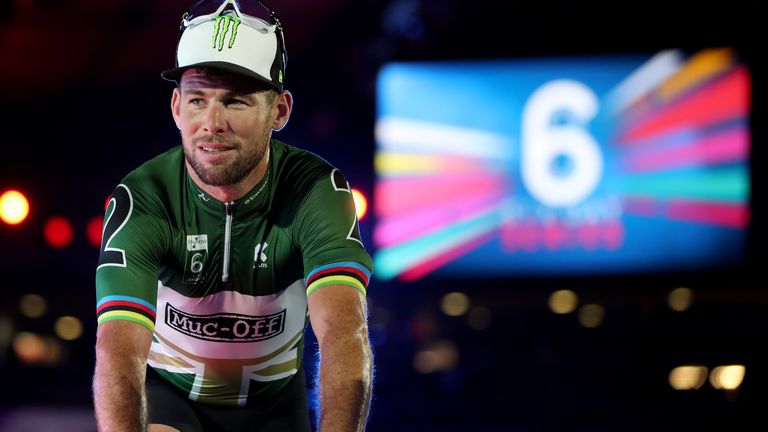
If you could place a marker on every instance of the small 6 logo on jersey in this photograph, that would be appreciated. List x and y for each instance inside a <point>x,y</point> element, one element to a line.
<point>196,257</point>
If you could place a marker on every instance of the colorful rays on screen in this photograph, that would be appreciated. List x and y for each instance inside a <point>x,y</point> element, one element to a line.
<point>684,144</point>
<point>438,194</point>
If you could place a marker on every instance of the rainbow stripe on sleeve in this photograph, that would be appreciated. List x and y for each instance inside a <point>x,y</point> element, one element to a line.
<point>343,273</point>
<point>127,308</point>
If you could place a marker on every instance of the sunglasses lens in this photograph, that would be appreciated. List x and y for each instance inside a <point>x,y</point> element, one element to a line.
<point>202,8</point>
<point>254,8</point>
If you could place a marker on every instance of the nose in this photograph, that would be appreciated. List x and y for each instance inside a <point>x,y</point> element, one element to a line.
<point>214,119</point>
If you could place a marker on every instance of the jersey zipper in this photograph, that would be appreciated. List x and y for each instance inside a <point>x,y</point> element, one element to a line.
<point>227,241</point>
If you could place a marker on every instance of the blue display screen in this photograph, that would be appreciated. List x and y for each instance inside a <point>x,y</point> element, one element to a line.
<point>581,165</point>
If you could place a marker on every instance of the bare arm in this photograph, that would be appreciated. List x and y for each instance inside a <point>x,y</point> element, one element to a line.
<point>118,383</point>
<point>338,317</point>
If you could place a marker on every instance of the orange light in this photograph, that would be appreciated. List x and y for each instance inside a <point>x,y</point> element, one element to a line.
<point>14,207</point>
<point>361,203</point>
<point>29,347</point>
<point>93,231</point>
<point>33,349</point>
<point>58,232</point>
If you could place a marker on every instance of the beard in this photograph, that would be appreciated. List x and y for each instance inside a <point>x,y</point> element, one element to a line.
<point>244,163</point>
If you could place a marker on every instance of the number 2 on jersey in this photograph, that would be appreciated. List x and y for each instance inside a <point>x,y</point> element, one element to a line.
<point>122,207</point>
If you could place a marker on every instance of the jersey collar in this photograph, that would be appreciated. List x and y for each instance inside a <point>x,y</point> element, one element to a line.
<point>256,200</point>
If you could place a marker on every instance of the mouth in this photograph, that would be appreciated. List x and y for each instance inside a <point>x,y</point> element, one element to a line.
<point>214,148</point>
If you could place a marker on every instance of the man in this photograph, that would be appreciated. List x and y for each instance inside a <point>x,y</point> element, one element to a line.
<point>215,253</point>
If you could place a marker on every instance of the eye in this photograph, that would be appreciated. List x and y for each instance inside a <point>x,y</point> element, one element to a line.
<point>195,101</point>
<point>234,101</point>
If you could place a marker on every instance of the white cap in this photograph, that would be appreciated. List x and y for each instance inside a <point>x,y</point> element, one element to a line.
<point>227,43</point>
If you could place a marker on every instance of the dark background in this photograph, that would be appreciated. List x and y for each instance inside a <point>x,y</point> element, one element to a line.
<point>82,103</point>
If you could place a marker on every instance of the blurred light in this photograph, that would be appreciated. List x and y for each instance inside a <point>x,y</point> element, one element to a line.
<point>455,304</point>
<point>591,315</point>
<point>106,203</point>
<point>361,203</point>
<point>68,328</point>
<point>93,231</point>
<point>401,18</point>
<point>14,207</point>
<point>58,232</point>
<point>479,318</point>
<point>29,347</point>
<point>440,356</point>
<point>679,299</point>
<point>689,377</point>
<point>727,377</point>
<point>33,306</point>
<point>34,349</point>
<point>563,301</point>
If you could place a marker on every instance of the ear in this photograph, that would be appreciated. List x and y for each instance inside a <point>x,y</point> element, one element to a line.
<point>282,107</point>
<point>176,106</point>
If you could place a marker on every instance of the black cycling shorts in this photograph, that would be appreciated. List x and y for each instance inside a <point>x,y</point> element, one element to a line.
<point>287,412</point>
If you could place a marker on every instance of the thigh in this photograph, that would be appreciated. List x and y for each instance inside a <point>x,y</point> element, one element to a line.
<point>168,407</point>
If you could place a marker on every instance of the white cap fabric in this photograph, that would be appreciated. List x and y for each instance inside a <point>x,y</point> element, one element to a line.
<point>233,45</point>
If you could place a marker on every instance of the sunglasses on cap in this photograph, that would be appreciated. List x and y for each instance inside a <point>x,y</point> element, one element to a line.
<point>254,13</point>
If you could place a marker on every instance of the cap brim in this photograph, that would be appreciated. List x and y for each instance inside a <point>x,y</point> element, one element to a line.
<point>175,73</point>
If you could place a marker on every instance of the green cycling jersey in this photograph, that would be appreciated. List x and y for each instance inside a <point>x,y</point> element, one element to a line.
<point>224,286</point>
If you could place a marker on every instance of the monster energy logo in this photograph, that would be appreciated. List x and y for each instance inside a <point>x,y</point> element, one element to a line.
<point>221,28</point>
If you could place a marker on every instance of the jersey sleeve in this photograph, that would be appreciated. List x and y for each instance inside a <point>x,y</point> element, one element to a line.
<point>329,237</point>
<point>131,249</point>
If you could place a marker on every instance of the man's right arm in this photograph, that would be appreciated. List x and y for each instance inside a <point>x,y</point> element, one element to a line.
<point>118,383</point>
